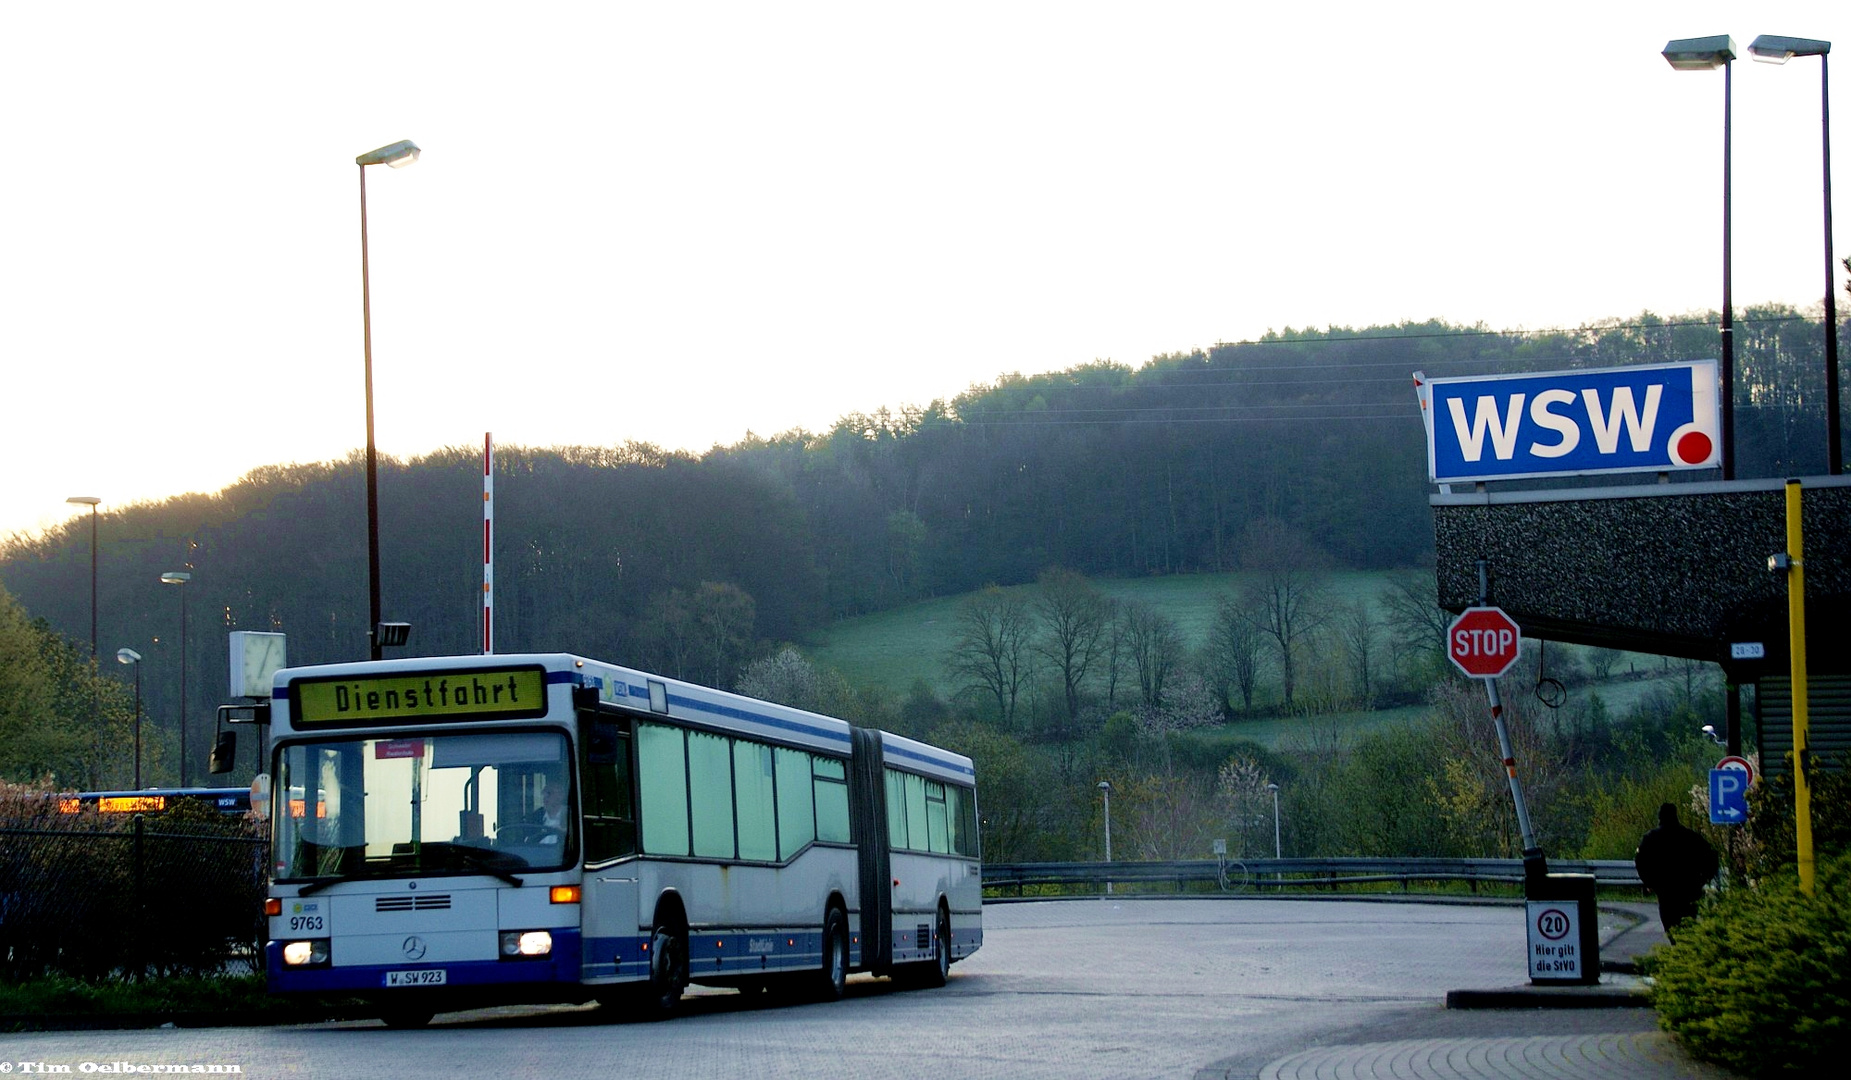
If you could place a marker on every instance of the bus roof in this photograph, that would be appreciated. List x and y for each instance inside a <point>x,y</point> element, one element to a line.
<point>638,690</point>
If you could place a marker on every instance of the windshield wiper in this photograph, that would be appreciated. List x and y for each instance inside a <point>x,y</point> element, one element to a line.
<point>478,859</point>
<point>317,884</point>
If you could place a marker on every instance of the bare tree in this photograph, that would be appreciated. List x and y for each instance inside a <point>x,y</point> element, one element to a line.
<point>1416,622</point>
<point>1073,616</point>
<point>1284,596</point>
<point>668,634</point>
<point>992,653</point>
<point>1155,644</point>
<point>724,618</point>
<point>1356,632</point>
<point>1233,652</point>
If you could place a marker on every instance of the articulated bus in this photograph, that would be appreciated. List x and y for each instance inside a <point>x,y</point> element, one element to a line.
<point>545,828</point>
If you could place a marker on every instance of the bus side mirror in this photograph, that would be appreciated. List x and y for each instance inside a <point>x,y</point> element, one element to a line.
<point>224,753</point>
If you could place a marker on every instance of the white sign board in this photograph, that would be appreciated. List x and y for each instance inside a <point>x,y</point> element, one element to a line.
<point>1555,939</point>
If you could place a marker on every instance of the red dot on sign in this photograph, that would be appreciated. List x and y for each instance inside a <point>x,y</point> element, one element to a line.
<point>1693,447</point>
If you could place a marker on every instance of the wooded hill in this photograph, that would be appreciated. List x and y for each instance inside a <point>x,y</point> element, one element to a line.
<point>692,564</point>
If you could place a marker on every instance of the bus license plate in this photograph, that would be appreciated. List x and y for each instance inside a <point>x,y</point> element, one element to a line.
<point>421,977</point>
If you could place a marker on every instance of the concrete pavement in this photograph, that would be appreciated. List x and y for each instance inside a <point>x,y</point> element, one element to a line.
<point>1519,1031</point>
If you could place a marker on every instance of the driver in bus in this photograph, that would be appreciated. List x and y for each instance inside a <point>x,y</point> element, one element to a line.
<point>551,815</point>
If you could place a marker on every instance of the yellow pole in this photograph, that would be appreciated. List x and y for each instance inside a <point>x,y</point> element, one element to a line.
<point>1796,646</point>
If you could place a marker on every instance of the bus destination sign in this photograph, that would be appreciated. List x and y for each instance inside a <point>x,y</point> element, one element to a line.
<point>403,699</point>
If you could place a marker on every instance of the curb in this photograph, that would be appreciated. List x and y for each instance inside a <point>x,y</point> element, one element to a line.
<point>20,1022</point>
<point>1552,997</point>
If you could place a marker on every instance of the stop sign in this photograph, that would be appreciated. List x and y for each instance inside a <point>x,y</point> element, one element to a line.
<point>1483,642</point>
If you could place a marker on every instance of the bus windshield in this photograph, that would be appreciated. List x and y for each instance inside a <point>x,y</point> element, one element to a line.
<point>495,803</point>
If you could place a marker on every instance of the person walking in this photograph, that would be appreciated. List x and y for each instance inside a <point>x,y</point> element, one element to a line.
<point>1675,864</point>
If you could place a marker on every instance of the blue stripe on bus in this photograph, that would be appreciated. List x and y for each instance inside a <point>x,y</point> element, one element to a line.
<point>710,954</point>
<point>956,767</point>
<point>561,967</point>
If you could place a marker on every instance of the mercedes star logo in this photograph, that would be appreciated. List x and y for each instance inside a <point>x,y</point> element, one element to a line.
<point>414,948</point>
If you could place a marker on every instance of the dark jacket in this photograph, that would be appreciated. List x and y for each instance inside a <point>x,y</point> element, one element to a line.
<point>1674,861</point>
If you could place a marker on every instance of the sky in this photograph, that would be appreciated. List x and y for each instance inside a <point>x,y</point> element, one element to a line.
<point>680,223</point>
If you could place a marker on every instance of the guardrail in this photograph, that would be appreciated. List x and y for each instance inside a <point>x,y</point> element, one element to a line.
<point>1287,874</point>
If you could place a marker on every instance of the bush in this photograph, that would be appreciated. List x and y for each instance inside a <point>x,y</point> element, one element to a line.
<point>88,896</point>
<point>1761,981</point>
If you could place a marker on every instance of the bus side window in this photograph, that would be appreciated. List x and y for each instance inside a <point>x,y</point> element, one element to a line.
<point>796,807</point>
<point>958,804</point>
<point>610,820</point>
<point>937,820</point>
<point>831,800</point>
<point>896,810</point>
<point>916,812</point>
<point>754,811</point>
<point>662,762</point>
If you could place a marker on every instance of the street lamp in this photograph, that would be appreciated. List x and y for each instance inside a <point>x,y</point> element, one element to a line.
<point>397,156</point>
<point>1274,788</point>
<point>1105,789</point>
<point>91,501</point>
<point>133,659</point>
<point>180,578</point>
<point>1704,54</point>
<point>1774,49</point>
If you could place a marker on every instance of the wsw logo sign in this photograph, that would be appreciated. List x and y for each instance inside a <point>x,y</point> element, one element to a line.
<point>1652,418</point>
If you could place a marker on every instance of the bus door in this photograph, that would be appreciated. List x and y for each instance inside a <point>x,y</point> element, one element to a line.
<point>611,899</point>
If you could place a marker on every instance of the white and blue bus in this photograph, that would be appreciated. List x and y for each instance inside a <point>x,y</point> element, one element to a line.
<point>453,832</point>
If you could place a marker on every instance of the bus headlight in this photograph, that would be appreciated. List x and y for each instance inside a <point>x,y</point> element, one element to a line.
<point>312,953</point>
<point>519,943</point>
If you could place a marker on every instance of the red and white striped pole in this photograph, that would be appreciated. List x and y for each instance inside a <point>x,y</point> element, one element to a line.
<point>488,543</point>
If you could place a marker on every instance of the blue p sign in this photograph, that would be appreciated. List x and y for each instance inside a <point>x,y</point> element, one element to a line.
<point>1728,796</point>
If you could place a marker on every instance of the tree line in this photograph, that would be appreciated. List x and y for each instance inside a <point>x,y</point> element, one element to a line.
<point>697,564</point>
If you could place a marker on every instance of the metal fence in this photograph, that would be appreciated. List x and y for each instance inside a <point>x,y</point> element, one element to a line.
<point>144,895</point>
<point>1283,875</point>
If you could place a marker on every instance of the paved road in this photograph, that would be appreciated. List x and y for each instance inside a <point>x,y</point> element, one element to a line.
<point>1239,989</point>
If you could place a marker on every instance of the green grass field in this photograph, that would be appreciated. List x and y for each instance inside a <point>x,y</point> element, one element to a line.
<point>894,648</point>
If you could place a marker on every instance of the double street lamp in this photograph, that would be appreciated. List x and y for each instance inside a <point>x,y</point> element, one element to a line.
<point>396,156</point>
<point>1774,49</point>
<point>1708,53</point>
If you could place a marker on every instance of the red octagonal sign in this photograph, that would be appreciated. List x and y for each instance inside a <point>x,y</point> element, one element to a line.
<point>1483,642</point>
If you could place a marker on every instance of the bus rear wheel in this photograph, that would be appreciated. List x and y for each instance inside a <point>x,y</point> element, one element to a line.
<point>936,971</point>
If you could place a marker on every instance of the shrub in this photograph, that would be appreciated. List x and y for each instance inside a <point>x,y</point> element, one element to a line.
<point>89,896</point>
<point>1761,981</point>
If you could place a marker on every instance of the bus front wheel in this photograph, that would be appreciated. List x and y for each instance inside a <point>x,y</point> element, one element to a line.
<point>832,981</point>
<point>668,973</point>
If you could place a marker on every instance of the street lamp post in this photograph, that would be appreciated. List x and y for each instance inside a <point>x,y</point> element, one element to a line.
<point>91,501</point>
<point>133,659</point>
<point>1704,54</point>
<point>1774,49</point>
<point>180,578</point>
<point>397,155</point>
<point>1274,788</point>
<point>96,699</point>
<point>1105,789</point>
